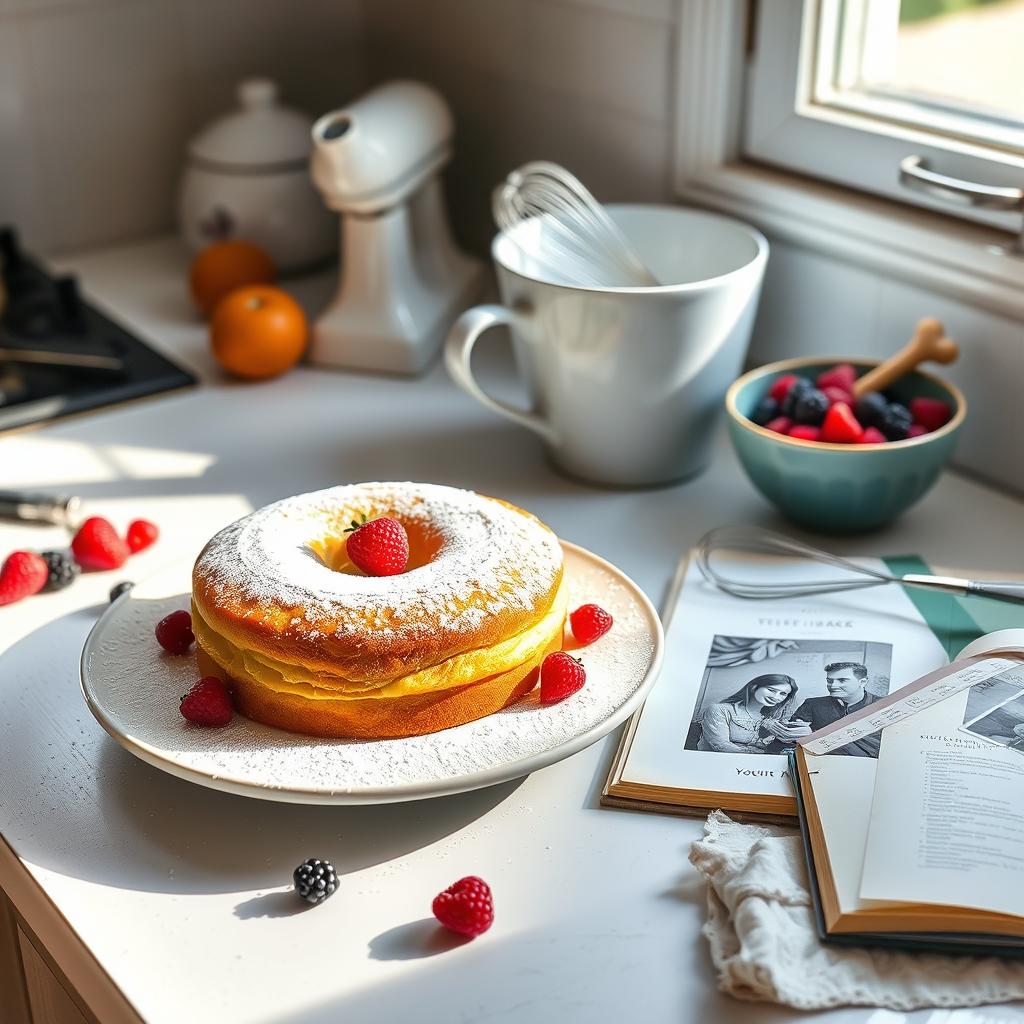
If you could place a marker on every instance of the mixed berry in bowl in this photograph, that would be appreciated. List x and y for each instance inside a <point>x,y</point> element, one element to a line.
<point>823,408</point>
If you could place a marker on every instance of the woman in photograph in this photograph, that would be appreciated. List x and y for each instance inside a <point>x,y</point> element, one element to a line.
<point>736,724</point>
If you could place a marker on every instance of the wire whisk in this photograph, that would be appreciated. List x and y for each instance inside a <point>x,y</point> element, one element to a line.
<point>572,238</point>
<point>754,540</point>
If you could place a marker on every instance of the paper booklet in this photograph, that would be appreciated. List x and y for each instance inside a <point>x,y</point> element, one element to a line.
<point>743,680</point>
<point>930,851</point>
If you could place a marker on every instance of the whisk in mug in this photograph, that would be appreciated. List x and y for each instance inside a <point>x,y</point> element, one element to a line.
<point>572,238</point>
<point>855,576</point>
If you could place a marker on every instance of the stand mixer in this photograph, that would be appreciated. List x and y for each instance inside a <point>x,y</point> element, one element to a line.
<point>378,163</point>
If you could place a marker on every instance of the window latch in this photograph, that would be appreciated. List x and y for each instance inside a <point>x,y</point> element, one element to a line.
<point>916,174</point>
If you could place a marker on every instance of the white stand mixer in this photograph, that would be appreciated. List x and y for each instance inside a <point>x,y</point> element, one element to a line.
<point>378,163</point>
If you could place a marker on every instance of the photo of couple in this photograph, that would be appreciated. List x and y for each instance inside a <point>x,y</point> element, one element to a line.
<point>759,696</point>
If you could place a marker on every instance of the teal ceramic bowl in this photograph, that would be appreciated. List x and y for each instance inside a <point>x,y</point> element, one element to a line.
<point>840,488</point>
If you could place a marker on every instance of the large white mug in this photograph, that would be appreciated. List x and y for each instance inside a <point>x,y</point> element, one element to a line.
<point>625,384</point>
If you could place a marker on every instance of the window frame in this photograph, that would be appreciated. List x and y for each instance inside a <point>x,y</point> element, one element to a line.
<point>903,235</point>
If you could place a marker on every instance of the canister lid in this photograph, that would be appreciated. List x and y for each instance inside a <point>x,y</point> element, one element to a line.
<point>262,135</point>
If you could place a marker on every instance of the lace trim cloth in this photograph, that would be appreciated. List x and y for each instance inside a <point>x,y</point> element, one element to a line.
<point>765,948</point>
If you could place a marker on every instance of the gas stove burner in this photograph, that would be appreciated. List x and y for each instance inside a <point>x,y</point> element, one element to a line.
<point>59,355</point>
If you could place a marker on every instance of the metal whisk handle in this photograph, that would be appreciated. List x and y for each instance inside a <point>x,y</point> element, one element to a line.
<point>1003,590</point>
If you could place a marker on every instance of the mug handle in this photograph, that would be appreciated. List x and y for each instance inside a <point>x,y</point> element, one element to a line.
<point>458,351</point>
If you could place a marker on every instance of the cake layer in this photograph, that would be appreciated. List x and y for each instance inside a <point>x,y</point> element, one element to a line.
<point>277,584</point>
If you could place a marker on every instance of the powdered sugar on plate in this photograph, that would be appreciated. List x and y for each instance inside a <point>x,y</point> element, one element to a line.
<point>133,689</point>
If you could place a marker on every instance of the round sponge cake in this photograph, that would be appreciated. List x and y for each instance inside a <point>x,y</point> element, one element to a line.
<point>312,645</point>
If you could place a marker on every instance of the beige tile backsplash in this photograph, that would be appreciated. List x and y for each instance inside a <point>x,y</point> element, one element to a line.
<point>98,99</point>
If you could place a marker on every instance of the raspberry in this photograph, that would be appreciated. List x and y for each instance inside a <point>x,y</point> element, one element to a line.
<point>97,545</point>
<point>465,907</point>
<point>62,567</point>
<point>834,394</point>
<point>120,588</point>
<point>840,425</point>
<point>780,387</point>
<point>174,632</point>
<point>379,547</point>
<point>872,436</point>
<point>560,675</point>
<point>843,375</point>
<point>23,573</point>
<point>779,425</point>
<point>208,703</point>
<point>589,622</point>
<point>917,430</point>
<point>315,880</point>
<point>141,534</point>
<point>931,413</point>
<point>805,432</point>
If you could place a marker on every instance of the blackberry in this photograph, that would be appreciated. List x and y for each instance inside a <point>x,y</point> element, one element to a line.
<point>767,409</point>
<point>870,408</point>
<point>895,421</point>
<point>63,569</point>
<point>120,588</point>
<point>315,880</point>
<point>796,389</point>
<point>810,407</point>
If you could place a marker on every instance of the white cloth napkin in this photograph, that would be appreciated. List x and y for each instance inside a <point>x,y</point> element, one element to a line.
<point>764,944</point>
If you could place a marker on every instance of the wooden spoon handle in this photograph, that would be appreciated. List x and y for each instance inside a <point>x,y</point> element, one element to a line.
<point>928,343</point>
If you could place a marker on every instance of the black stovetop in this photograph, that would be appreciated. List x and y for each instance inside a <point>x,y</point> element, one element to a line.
<point>46,325</point>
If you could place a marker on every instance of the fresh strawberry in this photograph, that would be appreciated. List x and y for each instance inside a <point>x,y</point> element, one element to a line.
<point>805,432</point>
<point>779,425</point>
<point>836,394</point>
<point>560,675</point>
<point>780,387</point>
<point>917,430</point>
<point>872,435</point>
<point>841,426</point>
<point>465,907</point>
<point>589,622</point>
<point>97,545</point>
<point>931,413</point>
<point>208,703</point>
<point>23,573</point>
<point>842,375</point>
<point>379,547</point>
<point>174,632</point>
<point>141,534</point>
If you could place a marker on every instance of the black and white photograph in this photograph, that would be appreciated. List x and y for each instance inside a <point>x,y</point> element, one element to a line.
<point>1002,725</point>
<point>991,693</point>
<point>760,695</point>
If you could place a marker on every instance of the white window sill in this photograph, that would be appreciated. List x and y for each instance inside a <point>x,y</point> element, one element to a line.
<point>944,254</point>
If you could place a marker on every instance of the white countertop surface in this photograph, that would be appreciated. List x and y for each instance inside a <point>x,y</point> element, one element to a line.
<point>181,893</point>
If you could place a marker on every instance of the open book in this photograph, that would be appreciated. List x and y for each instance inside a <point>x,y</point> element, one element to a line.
<point>930,852</point>
<point>742,680</point>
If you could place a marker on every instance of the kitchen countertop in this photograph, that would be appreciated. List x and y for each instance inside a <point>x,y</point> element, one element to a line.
<point>154,894</point>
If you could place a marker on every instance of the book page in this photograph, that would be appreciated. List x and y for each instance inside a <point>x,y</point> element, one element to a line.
<point>707,725</point>
<point>947,819</point>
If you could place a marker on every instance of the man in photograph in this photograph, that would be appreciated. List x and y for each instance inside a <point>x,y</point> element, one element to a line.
<point>847,693</point>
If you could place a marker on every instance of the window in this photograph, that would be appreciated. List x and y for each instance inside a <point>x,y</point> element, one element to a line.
<point>848,90</point>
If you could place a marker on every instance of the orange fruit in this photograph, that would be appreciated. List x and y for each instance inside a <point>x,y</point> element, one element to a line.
<point>224,266</point>
<point>258,331</point>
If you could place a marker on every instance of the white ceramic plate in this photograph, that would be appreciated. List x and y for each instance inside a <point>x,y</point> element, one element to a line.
<point>134,689</point>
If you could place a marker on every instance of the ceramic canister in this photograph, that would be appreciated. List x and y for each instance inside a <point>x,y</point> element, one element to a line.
<point>248,177</point>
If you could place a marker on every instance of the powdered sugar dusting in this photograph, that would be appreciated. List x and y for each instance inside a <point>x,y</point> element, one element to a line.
<point>487,548</point>
<point>134,691</point>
